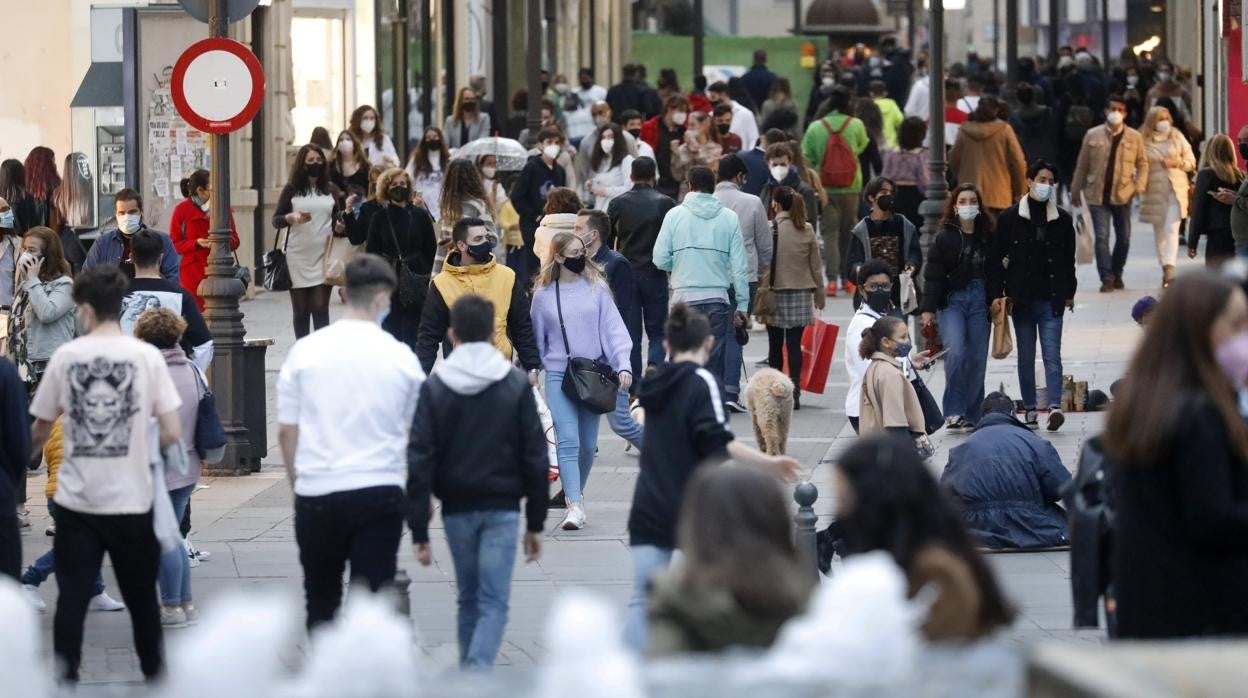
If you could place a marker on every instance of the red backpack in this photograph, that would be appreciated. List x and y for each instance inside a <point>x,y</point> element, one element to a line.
<point>840,166</point>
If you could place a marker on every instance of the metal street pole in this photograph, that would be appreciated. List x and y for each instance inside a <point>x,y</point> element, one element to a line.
<point>500,91</point>
<point>1011,44</point>
<point>910,29</point>
<point>797,17</point>
<point>1105,35</point>
<point>933,206</point>
<point>534,68</point>
<point>699,53</point>
<point>1055,14</point>
<point>552,39</point>
<point>426,68</point>
<point>996,34</point>
<point>399,35</point>
<point>221,292</point>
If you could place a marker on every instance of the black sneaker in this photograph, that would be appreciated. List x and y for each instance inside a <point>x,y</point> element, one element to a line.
<point>1032,420</point>
<point>734,407</point>
<point>1056,419</point>
<point>826,548</point>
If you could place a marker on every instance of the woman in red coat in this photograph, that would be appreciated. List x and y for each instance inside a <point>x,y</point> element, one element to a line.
<point>189,231</point>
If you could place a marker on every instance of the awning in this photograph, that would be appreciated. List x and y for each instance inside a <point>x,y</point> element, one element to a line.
<point>101,87</point>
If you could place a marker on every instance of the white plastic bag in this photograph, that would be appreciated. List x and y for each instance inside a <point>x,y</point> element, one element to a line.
<point>548,427</point>
<point>1085,243</point>
<point>909,294</point>
<point>165,525</point>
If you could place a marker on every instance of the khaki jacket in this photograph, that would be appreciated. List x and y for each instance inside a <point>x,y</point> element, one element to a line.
<point>1130,168</point>
<point>888,400</point>
<point>1163,180</point>
<point>988,155</point>
<point>798,264</point>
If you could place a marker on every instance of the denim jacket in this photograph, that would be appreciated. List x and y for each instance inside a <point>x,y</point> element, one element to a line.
<point>108,249</point>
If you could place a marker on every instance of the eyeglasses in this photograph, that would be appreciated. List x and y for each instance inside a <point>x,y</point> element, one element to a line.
<point>875,288</point>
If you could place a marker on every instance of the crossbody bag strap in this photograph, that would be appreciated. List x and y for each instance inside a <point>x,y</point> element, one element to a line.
<point>567,348</point>
<point>398,249</point>
<point>775,252</point>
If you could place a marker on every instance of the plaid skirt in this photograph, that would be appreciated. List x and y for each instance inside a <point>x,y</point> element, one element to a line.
<point>793,308</point>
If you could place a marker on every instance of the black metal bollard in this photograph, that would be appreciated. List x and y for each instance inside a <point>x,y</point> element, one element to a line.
<point>402,597</point>
<point>804,523</point>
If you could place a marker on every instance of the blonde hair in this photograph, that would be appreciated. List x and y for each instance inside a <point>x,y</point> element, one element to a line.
<point>550,270</point>
<point>1150,120</point>
<point>383,183</point>
<point>1219,156</point>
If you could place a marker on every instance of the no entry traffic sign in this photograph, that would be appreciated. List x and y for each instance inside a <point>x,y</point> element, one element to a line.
<point>217,85</point>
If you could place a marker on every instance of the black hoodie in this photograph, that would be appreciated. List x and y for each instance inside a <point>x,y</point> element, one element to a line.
<point>686,426</point>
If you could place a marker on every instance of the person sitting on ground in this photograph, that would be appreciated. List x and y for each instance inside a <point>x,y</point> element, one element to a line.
<point>1008,481</point>
<point>742,578</point>
<point>1142,309</point>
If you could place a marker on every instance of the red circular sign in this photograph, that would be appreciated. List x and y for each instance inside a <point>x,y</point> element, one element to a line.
<point>217,85</point>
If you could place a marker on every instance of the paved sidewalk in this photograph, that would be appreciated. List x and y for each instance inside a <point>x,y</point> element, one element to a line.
<point>247,523</point>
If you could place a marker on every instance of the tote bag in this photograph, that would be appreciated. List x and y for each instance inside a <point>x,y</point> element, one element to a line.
<point>818,347</point>
<point>338,251</point>
<point>1002,339</point>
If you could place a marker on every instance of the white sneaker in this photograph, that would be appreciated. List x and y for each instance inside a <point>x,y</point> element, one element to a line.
<point>172,617</point>
<point>191,613</point>
<point>575,520</point>
<point>103,602</point>
<point>32,595</point>
<point>196,553</point>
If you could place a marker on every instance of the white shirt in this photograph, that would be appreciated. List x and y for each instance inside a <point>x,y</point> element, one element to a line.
<point>351,388</point>
<point>744,124</point>
<point>919,102</point>
<point>855,365</point>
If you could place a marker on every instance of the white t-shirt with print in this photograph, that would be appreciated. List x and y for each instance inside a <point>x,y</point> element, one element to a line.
<point>108,389</point>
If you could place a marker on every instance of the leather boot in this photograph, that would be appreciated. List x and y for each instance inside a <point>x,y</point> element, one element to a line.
<point>1167,275</point>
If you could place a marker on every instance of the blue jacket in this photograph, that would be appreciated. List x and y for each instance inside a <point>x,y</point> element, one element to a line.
<point>620,278</point>
<point>1008,481</point>
<point>701,244</point>
<point>107,250</point>
<point>756,173</point>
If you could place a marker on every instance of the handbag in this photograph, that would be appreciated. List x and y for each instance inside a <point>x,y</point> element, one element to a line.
<point>909,294</point>
<point>242,273</point>
<point>276,268</point>
<point>209,432</point>
<point>818,346</point>
<point>412,286</point>
<point>1002,339</point>
<point>765,303</point>
<point>588,382</point>
<point>338,251</point>
<point>933,418</point>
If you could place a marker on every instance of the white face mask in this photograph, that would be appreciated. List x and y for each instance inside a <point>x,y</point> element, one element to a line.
<point>968,213</point>
<point>26,258</point>
<point>679,117</point>
<point>827,81</point>
<point>346,147</point>
<point>129,223</point>
<point>206,206</point>
<point>489,172</point>
<point>779,173</point>
<point>1043,191</point>
<point>367,125</point>
<point>551,151</point>
<point>1114,118</point>
<point>607,145</point>
<point>1163,127</point>
<point>601,121</point>
<point>561,87</point>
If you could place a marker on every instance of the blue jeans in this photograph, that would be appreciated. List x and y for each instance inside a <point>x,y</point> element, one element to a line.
<point>1030,319</point>
<point>649,310</point>
<point>622,423</point>
<point>577,431</point>
<point>721,316</point>
<point>175,565</point>
<point>732,358</point>
<point>43,567</point>
<point>1109,265</point>
<point>648,560</point>
<point>964,326</point>
<point>483,549</point>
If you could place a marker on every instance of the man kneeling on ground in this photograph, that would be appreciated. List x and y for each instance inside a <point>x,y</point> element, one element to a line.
<point>1008,481</point>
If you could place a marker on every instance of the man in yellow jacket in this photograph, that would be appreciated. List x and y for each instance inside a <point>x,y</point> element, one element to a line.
<point>891,113</point>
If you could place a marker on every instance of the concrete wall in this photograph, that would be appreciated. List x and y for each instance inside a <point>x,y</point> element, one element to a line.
<point>36,78</point>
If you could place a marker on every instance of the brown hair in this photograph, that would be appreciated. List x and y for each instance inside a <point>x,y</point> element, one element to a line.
<point>562,200</point>
<point>883,327</point>
<point>1220,157</point>
<point>793,204</point>
<point>378,135</point>
<point>1172,374</point>
<point>160,327</point>
<point>54,264</point>
<point>357,151</point>
<point>780,150</point>
<point>983,222</point>
<point>384,180</point>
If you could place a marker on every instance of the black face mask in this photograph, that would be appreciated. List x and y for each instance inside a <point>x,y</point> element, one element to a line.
<point>885,202</point>
<point>470,106</point>
<point>576,265</point>
<point>635,132</point>
<point>398,195</point>
<point>880,301</point>
<point>313,169</point>
<point>723,128</point>
<point>481,252</point>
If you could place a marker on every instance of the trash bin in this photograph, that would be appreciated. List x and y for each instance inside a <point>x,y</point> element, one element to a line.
<point>255,399</point>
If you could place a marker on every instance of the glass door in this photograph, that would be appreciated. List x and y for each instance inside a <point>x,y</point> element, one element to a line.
<point>318,52</point>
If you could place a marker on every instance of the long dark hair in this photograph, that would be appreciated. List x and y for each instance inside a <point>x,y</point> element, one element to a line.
<point>461,184</point>
<point>54,263</point>
<point>1172,373</point>
<point>983,222</point>
<point>899,508</point>
<point>12,180</point>
<point>41,176</point>
<point>190,185</point>
<point>301,179</point>
<point>617,153</point>
<point>419,158</point>
<point>736,534</point>
<point>378,135</point>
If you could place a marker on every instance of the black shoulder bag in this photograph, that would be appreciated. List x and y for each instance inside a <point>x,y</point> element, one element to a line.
<point>587,382</point>
<point>276,269</point>
<point>412,286</point>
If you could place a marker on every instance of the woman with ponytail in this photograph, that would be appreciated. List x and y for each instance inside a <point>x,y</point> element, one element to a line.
<point>888,402</point>
<point>796,276</point>
<point>189,228</point>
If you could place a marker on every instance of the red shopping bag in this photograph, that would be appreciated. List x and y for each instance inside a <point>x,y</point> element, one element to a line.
<point>818,346</point>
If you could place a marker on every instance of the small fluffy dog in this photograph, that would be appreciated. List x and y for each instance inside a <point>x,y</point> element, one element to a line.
<point>769,398</point>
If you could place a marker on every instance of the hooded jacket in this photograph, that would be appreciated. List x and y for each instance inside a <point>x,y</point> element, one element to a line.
<point>988,155</point>
<point>476,441</point>
<point>552,224</point>
<point>686,426</point>
<point>1008,481</point>
<point>701,244</point>
<point>636,217</point>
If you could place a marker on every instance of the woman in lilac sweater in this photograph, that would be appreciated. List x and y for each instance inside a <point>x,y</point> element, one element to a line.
<point>594,331</point>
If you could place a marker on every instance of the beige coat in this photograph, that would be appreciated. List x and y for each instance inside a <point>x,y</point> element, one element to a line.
<point>552,224</point>
<point>1130,170</point>
<point>798,264</point>
<point>988,155</point>
<point>1163,178</point>
<point>888,399</point>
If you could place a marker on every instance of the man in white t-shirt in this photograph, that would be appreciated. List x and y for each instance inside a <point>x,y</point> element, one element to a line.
<point>111,389</point>
<point>345,400</point>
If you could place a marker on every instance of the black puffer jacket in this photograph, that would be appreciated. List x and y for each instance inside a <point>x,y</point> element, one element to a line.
<point>1041,255</point>
<point>949,267</point>
<point>636,216</point>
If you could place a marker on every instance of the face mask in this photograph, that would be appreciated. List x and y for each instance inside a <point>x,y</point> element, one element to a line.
<point>551,151</point>
<point>398,195</point>
<point>7,219</point>
<point>723,128</point>
<point>1163,127</point>
<point>884,201</point>
<point>636,133</point>
<point>1043,191</point>
<point>205,206</point>
<point>827,81</point>
<point>1163,76</point>
<point>385,313</point>
<point>561,87</point>
<point>313,169</point>
<point>902,349</point>
<point>1114,118</point>
<point>679,117</point>
<point>470,107</point>
<point>346,147</point>
<point>481,251</point>
<point>880,301</point>
<point>586,84</point>
<point>489,172</point>
<point>433,145</point>
<point>968,213</point>
<point>26,258</point>
<point>576,265</point>
<point>779,173</point>
<point>1232,358</point>
<point>600,121</point>
<point>607,146</point>
<point>367,125</point>
<point>1133,80</point>
<point>129,223</point>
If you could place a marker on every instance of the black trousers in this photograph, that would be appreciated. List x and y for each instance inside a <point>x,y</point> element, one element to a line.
<point>80,543</point>
<point>779,338</point>
<point>10,546</point>
<point>362,527</point>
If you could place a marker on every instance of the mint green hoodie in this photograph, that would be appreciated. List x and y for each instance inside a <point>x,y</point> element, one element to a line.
<point>700,243</point>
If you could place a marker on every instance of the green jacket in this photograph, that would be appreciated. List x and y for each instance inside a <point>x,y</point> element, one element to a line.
<point>816,141</point>
<point>893,117</point>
